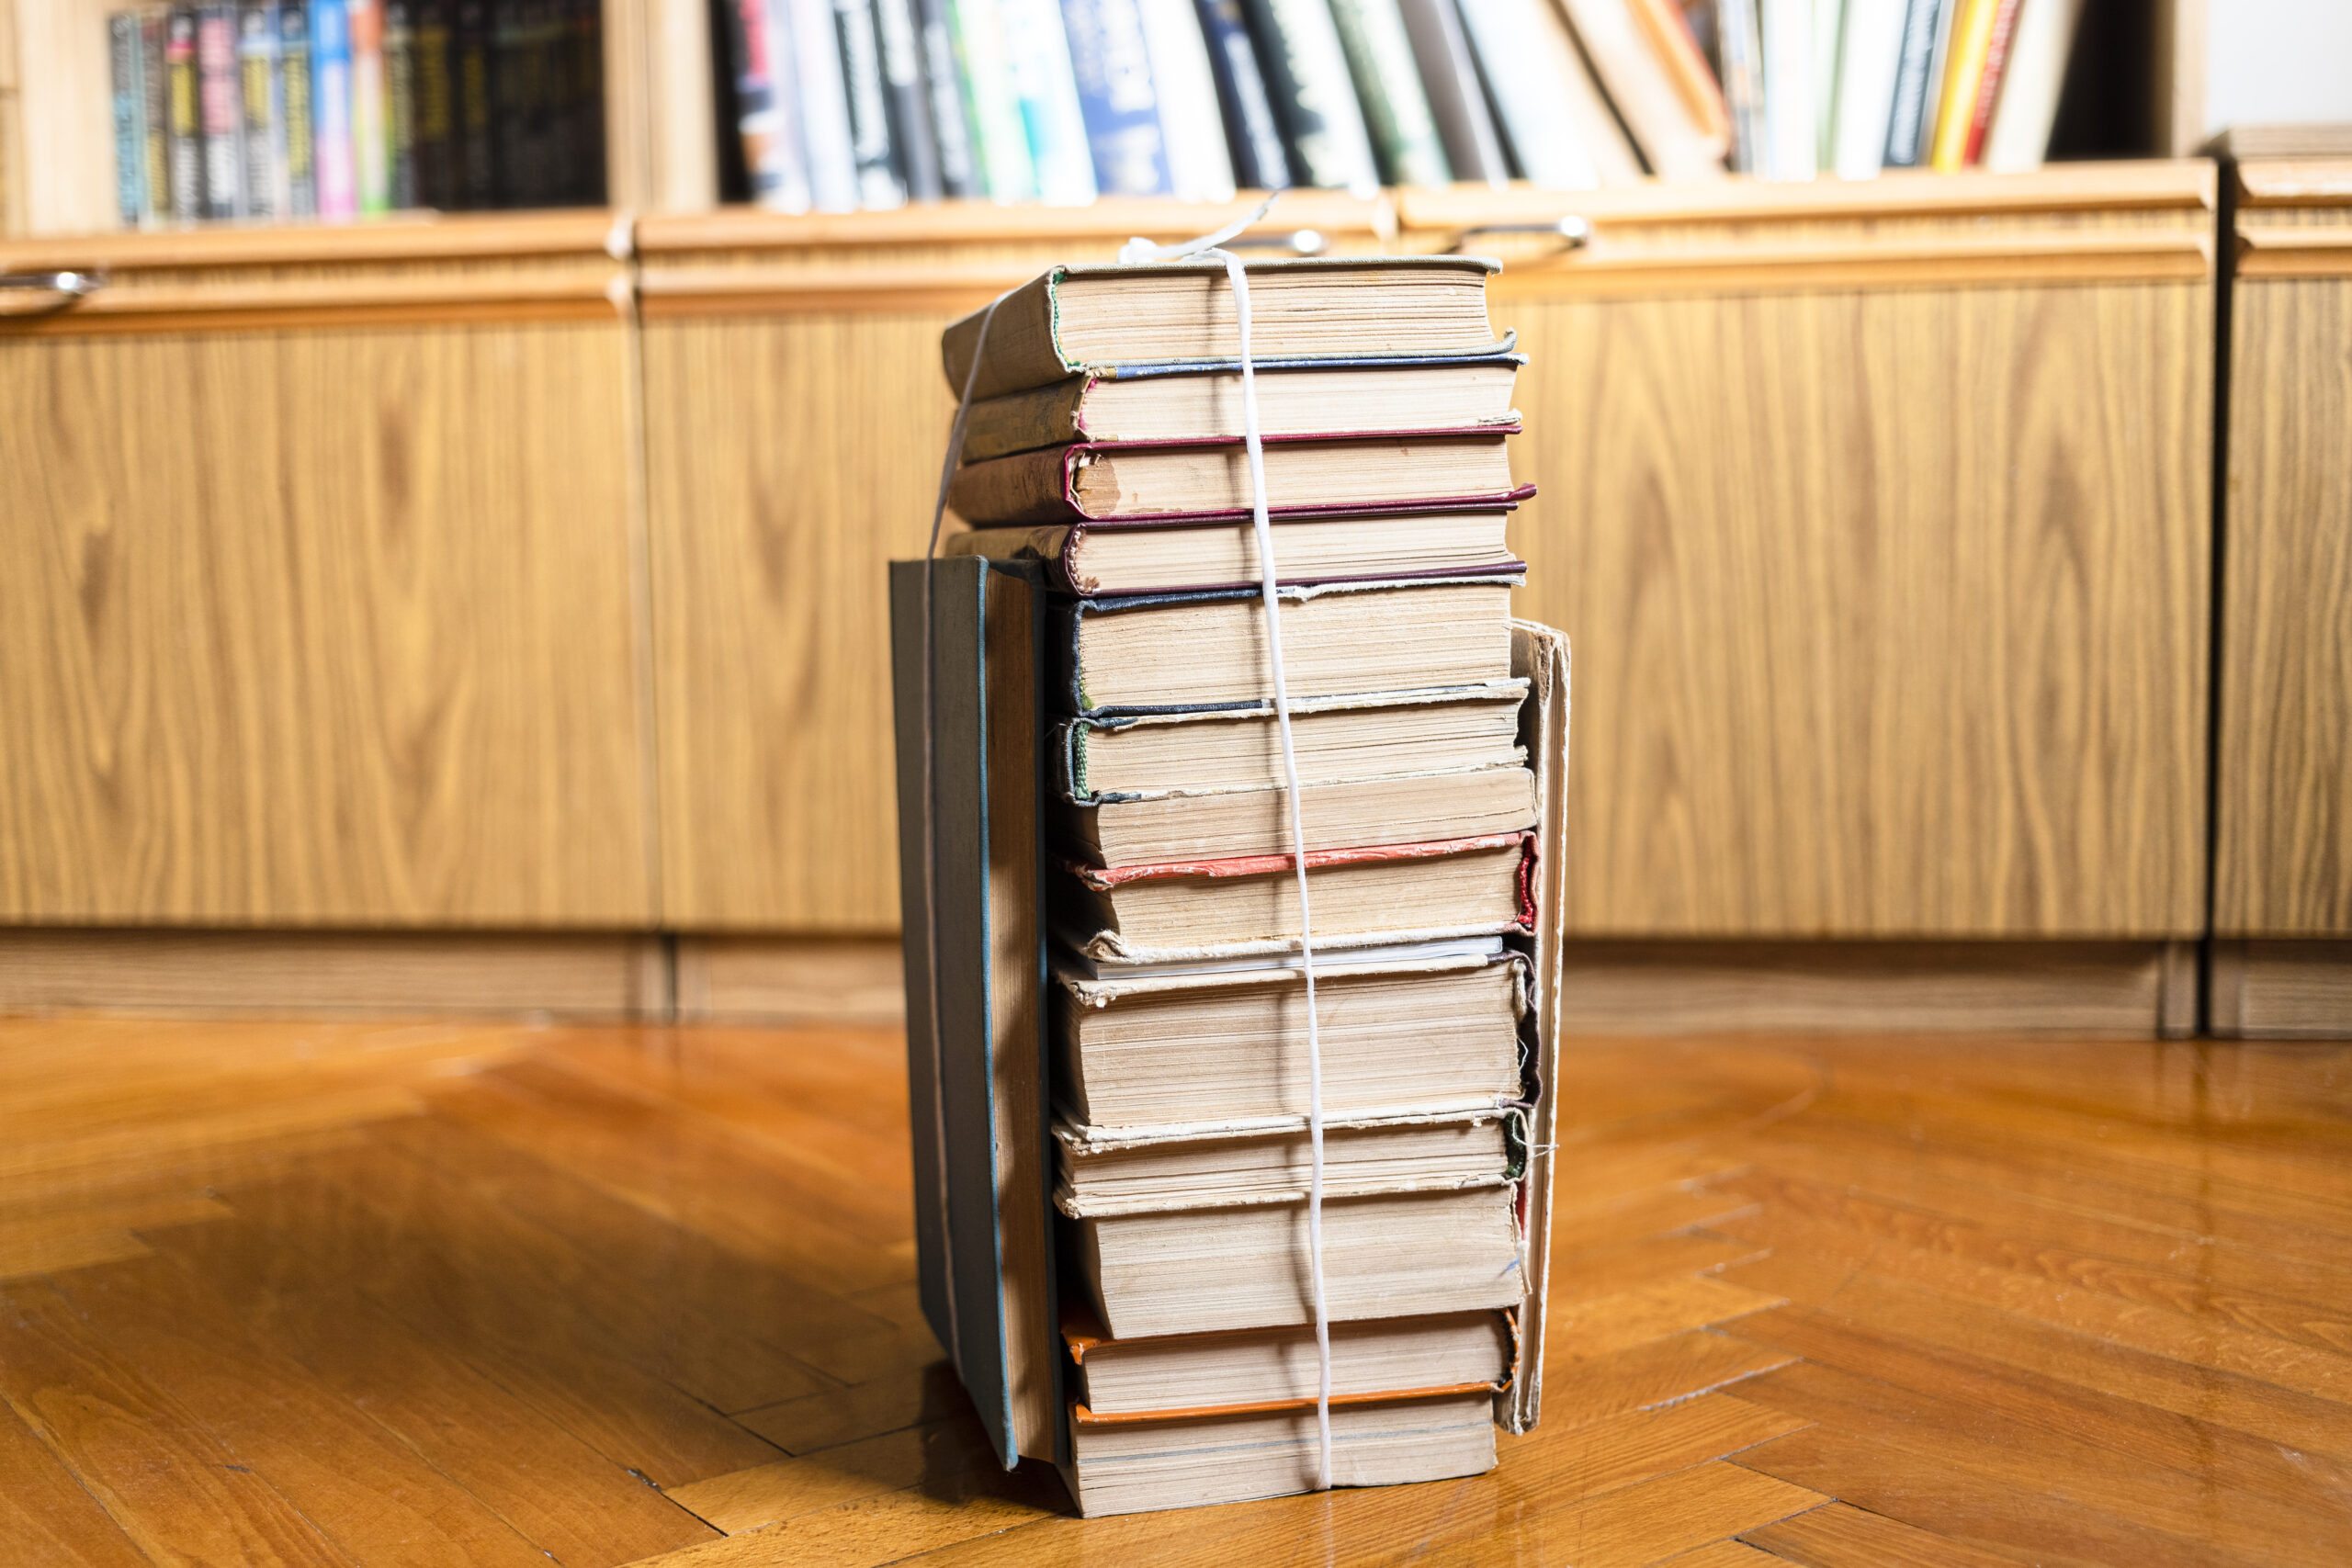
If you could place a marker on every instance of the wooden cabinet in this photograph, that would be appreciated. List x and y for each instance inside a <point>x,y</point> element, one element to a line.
<point>1878,515</point>
<point>319,599</point>
<point>2282,903</point>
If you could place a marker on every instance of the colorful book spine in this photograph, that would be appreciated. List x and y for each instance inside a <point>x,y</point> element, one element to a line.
<point>155,116</point>
<point>330,108</point>
<point>1260,162</point>
<point>1112,69</point>
<point>1741,51</point>
<point>371,159</point>
<point>219,110</point>
<point>911,129</point>
<point>1048,92</point>
<point>865,95</point>
<point>950,106</point>
<point>262,113</point>
<point>2035,75</point>
<point>1306,74</point>
<point>296,95</point>
<point>1971,32</point>
<point>772,150</point>
<point>1906,120</point>
<point>473,48</point>
<point>1000,142</point>
<point>186,125</point>
<point>435,115</point>
<point>129,103</point>
<point>1988,84</point>
<point>1388,84</point>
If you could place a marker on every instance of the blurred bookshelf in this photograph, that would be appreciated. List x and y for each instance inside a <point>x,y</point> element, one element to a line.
<point>115,117</point>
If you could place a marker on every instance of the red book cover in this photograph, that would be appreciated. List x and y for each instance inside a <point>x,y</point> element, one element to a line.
<point>1988,86</point>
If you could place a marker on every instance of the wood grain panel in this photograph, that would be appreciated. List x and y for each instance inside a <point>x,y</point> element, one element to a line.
<point>1890,608</point>
<point>2282,990</point>
<point>2283,805</point>
<point>320,628</point>
<point>788,459</point>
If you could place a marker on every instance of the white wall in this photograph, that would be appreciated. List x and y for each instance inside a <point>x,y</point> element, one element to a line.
<point>2277,63</point>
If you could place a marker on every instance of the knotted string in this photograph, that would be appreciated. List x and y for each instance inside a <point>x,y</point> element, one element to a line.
<point>1209,246</point>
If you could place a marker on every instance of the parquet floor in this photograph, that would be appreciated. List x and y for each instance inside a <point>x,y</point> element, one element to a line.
<point>418,1294</point>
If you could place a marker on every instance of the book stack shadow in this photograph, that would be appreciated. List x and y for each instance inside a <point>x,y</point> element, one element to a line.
<point>1108,1049</point>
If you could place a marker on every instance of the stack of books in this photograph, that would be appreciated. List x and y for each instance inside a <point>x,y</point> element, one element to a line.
<point>1111,1095</point>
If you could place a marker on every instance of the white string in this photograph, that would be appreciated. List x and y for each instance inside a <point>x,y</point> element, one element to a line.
<point>930,833</point>
<point>1209,246</point>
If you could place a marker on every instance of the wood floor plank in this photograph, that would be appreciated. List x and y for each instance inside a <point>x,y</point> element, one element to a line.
<point>773,1493</point>
<point>1724,1554</point>
<point>1842,1536</point>
<point>1646,1213</point>
<point>1582,1270</point>
<point>886,1527</point>
<point>1600,1324</point>
<point>1642,1524</point>
<point>551,1488</point>
<point>1648,1376</point>
<point>179,1492</point>
<point>915,1394</point>
<point>48,1519</point>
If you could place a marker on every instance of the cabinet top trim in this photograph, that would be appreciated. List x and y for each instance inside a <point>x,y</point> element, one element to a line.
<point>410,237</point>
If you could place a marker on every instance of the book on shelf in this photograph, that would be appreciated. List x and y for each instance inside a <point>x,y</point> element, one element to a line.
<point>1253,136</point>
<point>1111,70</point>
<point>1397,115</point>
<point>1115,1155</point>
<point>1305,71</point>
<point>1457,99</point>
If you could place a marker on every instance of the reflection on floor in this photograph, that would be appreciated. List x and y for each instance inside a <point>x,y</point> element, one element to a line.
<point>341,1293</point>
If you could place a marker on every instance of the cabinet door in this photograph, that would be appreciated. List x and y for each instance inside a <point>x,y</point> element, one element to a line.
<point>320,625</point>
<point>2283,849</point>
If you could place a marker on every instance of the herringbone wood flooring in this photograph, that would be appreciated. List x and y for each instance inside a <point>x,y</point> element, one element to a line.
<point>341,1293</point>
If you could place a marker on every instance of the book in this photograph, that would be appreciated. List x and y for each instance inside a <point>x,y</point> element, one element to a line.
<point>400,104</point>
<point>1677,142</point>
<point>2037,71</point>
<point>1544,102</point>
<point>1256,1367</point>
<point>1791,133</point>
<point>155,114</point>
<point>1828,30</point>
<point>1253,134</point>
<point>1200,166</point>
<point>261,100</point>
<point>1102,1172</point>
<point>1156,828</point>
<point>1198,480</point>
<point>866,96</point>
<point>1740,45</point>
<point>1672,30</point>
<point>371,151</point>
<point>1081,317</point>
<point>817,95</point>
<point>1043,84</point>
<point>1294,397</point>
<point>1171,652</point>
<point>1115,558</point>
<point>1868,64</point>
<point>473,53</point>
<point>977,1088</point>
<point>766,108</point>
<point>434,116</point>
<point>221,111</point>
<point>951,112</point>
<point>1371,895</point>
<point>330,108</point>
<point>1989,80</point>
<point>585,150</point>
<point>1397,115</point>
<point>1112,69</point>
<point>1910,114</point>
<point>1306,80</point>
<point>1474,147</point>
<point>1000,140</point>
<point>912,135</point>
<point>126,69</point>
<point>1971,34</point>
<point>295,93</point>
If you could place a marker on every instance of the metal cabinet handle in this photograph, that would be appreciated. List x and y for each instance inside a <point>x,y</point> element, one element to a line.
<point>1572,232</point>
<point>69,288</point>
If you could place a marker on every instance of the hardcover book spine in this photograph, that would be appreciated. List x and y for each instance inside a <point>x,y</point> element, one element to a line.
<point>1000,140</point>
<point>911,129</point>
<point>511,84</point>
<point>215,67</point>
<point>1112,73</point>
<point>1048,92</point>
<point>772,152</point>
<point>867,96</point>
<point>155,116</point>
<point>1988,85</point>
<point>1474,147</point>
<point>1742,52</point>
<point>1260,162</point>
<point>262,110</point>
<point>331,91</point>
<point>951,112</point>
<point>1907,116</point>
<point>472,80</point>
<point>587,150</point>
<point>1520,63</point>
<point>296,95</point>
<point>1307,73</point>
<point>824,106</point>
<point>1388,84</point>
<point>1971,31</point>
<point>1791,144</point>
<point>2036,71</point>
<point>371,167</point>
<point>129,102</point>
<point>399,101</point>
<point>434,114</point>
<point>1871,56</point>
<point>185,126</point>
<point>1200,165</point>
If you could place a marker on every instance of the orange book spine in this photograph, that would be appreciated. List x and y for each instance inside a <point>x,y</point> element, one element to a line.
<point>1662,23</point>
<point>1988,85</point>
<point>1971,31</point>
